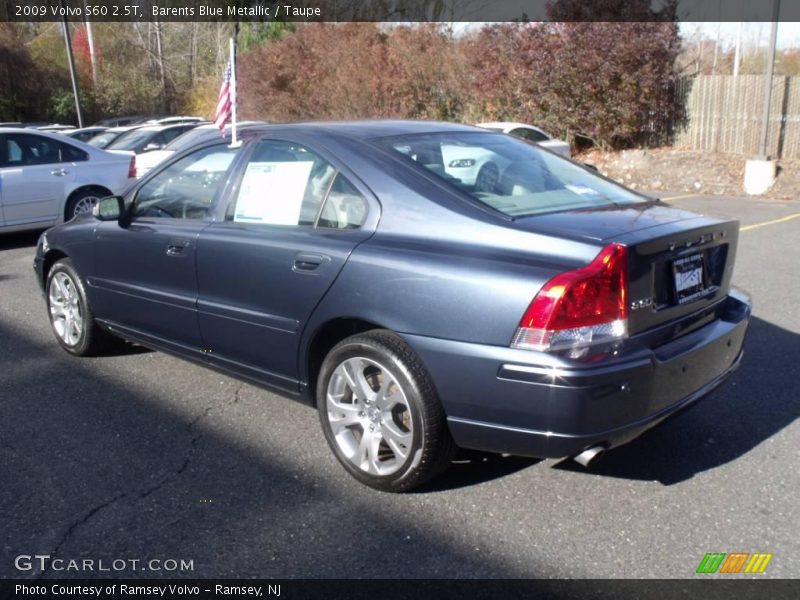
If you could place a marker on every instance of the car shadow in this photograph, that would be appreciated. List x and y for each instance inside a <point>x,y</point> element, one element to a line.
<point>757,402</point>
<point>471,467</point>
<point>95,466</point>
<point>23,239</point>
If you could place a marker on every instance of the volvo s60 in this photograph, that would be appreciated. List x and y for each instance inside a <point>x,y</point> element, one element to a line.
<point>543,310</point>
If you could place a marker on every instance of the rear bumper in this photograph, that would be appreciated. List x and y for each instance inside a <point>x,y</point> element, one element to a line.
<point>535,404</point>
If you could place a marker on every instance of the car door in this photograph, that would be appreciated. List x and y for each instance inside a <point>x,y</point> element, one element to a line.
<point>292,222</point>
<point>33,179</point>
<point>145,279</point>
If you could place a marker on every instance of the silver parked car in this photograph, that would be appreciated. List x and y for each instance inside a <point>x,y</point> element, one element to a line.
<point>47,178</point>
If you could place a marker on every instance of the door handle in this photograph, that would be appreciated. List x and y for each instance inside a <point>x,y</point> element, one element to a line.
<point>177,247</point>
<point>59,172</point>
<point>308,261</point>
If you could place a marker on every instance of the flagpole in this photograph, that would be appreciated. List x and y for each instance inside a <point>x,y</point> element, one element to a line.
<point>234,142</point>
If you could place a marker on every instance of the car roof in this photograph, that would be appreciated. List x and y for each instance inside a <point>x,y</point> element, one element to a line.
<point>368,130</point>
<point>59,137</point>
<point>90,128</point>
<point>33,131</point>
<point>121,128</point>
<point>157,128</point>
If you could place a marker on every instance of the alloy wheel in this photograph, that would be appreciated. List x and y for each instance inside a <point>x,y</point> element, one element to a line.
<point>65,309</point>
<point>369,416</point>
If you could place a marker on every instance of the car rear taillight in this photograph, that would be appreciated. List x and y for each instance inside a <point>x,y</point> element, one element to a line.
<point>132,167</point>
<point>581,307</point>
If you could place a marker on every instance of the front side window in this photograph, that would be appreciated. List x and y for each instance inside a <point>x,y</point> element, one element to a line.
<point>187,188</point>
<point>286,184</point>
<point>509,175</point>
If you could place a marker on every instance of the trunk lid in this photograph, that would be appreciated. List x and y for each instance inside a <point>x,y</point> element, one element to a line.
<point>680,263</point>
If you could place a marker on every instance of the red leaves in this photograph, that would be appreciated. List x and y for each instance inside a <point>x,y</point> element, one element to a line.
<point>605,81</point>
<point>354,70</point>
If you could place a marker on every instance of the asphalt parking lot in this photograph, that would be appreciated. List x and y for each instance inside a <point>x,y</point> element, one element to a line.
<point>144,456</point>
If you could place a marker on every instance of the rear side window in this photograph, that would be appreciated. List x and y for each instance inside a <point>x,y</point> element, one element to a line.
<point>72,154</point>
<point>344,208</point>
<point>287,184</point>
<point>529,134</point>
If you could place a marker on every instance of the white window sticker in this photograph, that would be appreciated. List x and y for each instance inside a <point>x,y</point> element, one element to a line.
<point>272,192</point>
<point>579,188</point>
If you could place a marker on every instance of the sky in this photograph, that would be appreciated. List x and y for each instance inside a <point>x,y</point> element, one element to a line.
<point>753,34</point>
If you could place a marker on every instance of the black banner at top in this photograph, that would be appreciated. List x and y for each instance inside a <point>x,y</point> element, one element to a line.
<point>449,11</point>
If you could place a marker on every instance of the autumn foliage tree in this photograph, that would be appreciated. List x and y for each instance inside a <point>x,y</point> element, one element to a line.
<point>608,82</point>
<point>354,70</point>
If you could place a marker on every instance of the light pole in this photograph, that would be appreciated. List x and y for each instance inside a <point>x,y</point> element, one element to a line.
<point>71,60</point>
<point>773,39</point>
<point>760,172</point>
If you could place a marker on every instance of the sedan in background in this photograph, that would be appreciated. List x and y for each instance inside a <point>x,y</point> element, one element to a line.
<point>122,121</point>
<point>85,134</point>
<point>557,315</point>
<point>56,128</point>
<point>107,137</point>
<point>149,137</point>
<point>531,134</point>
<point>46,178</point>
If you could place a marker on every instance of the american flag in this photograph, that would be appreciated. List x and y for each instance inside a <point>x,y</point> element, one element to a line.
<point>224,102</point>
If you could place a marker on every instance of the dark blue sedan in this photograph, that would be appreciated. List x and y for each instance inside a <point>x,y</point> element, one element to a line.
<point>426,286</point>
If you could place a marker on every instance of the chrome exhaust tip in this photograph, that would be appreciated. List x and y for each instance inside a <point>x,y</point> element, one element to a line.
<point>588,455</point>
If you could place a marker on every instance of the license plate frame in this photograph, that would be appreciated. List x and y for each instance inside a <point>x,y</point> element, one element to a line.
<point>688,277</point>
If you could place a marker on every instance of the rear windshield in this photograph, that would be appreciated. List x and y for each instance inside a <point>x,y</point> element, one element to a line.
<point>189,138</point>
<point>512,176</point>
<point>104,139</point>
<point>131,140</point>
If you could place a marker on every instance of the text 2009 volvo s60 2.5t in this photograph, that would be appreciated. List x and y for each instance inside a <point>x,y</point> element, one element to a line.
<point>535,309</point>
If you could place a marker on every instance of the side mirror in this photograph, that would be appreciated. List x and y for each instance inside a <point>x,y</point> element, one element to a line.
<point>110,208</point>
<point>152,146</point>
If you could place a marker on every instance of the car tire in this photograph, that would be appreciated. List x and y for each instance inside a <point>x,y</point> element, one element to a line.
<point>82,201</point>
<point>71,317</point>
<point>380,413</point>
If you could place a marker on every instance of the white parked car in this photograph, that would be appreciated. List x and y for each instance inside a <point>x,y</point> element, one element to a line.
<point>47,178</point>
<point>531,134</point>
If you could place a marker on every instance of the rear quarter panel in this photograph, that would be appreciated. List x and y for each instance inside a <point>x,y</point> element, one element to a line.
<point>438,266</point>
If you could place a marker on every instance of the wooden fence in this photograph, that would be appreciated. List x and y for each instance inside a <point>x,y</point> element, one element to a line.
<point>725,113</point>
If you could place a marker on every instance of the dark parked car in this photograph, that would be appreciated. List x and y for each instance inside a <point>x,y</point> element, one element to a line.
<point>553,313</point>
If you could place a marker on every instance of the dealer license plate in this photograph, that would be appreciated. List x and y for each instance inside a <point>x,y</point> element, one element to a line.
<point>688,272</point>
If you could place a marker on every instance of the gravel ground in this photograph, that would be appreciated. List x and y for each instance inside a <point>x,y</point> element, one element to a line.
<point>692,171</point>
